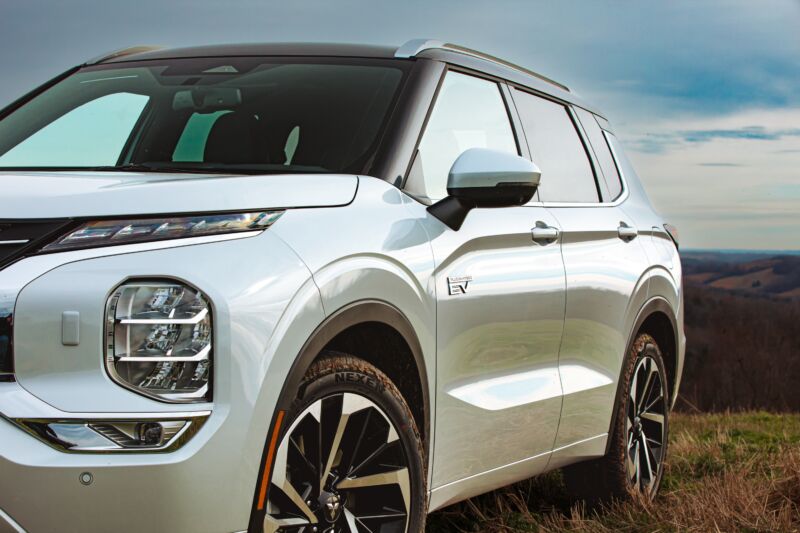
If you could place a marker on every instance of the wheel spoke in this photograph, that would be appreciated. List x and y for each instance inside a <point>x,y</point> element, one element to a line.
<point>652,403</point>
<point>650,370</point>
<point>351,521</point>
<point>351,403</point>
<point>296,451</point>
<point>384,448</point>
<point>632,396</point>
<point>396,477</point>
<point>654,417</point>
<point>280,480</point>
<point>651,476</point>
<point>272,524</point>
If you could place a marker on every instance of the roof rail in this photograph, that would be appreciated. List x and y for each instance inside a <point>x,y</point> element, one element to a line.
<point>415,47</point>
<point>122,53</point>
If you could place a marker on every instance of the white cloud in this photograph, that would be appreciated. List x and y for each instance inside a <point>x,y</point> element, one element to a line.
<point>725,191</point>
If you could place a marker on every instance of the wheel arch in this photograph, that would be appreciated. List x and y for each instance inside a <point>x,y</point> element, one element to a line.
<point>657,318</point>
<point>340,331</point>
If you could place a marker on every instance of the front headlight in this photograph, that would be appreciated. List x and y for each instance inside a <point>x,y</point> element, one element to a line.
<point>159,340</point>
<point>128,231</point>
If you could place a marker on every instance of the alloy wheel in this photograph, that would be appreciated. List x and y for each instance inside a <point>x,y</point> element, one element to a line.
<point>645,426</point>
<point>340,467</point>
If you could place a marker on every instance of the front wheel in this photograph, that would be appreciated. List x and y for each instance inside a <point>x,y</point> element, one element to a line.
<point>351,458</point>
<point>634,464</point>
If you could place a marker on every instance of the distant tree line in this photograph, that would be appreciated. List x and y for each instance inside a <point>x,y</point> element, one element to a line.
<point>743,352</point>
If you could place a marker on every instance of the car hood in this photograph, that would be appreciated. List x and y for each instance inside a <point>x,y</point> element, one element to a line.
<point>26,195</point>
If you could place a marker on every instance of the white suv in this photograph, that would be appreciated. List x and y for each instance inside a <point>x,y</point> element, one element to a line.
<point>307,288</point>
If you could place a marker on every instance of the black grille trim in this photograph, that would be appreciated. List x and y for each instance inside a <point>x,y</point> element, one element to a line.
<point>21,237</point>
<point>6,353</point>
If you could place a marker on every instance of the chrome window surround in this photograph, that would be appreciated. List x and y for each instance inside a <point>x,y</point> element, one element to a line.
<point>38,428</point>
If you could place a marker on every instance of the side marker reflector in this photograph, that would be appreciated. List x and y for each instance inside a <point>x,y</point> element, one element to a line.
<point>273,445</point>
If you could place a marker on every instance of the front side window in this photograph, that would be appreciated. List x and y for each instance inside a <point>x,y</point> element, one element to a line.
<point>219,115</point>
<point>469,113</point>
<point>557,149</point>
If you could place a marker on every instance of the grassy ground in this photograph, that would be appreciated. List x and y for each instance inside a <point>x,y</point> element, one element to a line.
<point>725,472</point>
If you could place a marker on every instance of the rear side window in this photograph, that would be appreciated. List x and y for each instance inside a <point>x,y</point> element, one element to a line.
<point>602,152</point>
<point>557,149</point>
<point>469,113</point>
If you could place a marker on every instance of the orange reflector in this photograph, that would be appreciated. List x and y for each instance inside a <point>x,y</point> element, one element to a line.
<point>273,444</point>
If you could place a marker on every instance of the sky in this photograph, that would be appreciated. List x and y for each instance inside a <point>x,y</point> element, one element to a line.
<point>704,95</point>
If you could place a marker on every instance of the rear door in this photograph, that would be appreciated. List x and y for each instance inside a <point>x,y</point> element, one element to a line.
<point>602,257</point>
<point>500,305</point>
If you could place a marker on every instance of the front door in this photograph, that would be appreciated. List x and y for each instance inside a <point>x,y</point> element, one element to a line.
<point>500,304</point>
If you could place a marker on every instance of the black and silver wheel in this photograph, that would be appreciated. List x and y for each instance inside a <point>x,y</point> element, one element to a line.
<point>350,459</point>
<point>638,441</point>
<point>646,425</point>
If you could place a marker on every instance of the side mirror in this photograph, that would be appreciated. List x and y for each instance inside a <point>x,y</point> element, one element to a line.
<point>485,178</point>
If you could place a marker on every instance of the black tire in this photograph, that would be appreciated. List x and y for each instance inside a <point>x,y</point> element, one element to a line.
<point>609,477</point>
<point>330,383</point>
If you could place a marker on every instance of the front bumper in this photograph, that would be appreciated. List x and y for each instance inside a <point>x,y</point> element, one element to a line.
<point>43,489</point>
<point>207,484</point>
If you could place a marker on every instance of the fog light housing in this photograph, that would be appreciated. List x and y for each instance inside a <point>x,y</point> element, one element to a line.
<point>116,435</point>
<point>159,340</point>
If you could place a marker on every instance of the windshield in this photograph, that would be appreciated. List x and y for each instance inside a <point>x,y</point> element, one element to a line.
<point>218,115</point>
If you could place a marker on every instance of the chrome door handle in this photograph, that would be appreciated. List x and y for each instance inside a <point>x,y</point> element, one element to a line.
<point>627,233</point>
<point>544,234</point>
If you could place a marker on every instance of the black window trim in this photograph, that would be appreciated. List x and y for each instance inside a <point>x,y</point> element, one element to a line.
<point>511,112</point>
<point>586,148</point>
<point>506,87</point>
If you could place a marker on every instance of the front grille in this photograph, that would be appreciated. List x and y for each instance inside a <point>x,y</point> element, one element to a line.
<point>18,238</point>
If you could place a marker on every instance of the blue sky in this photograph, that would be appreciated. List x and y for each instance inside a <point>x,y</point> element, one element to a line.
<point>705,95</point>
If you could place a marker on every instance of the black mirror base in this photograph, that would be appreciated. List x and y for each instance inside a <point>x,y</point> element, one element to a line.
<point>452,211</point>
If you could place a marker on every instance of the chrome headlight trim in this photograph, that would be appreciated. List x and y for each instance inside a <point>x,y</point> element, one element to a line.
<point>112,356</point>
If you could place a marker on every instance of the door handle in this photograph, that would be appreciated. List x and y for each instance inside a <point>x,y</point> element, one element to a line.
<point>544,234</point>
<point>627,233</point>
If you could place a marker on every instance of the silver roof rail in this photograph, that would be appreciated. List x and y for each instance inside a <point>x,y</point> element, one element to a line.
<point>415,47</point>
<point>122,53</point>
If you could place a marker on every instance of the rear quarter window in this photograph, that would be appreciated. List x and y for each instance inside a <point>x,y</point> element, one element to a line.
<point>602,152</point>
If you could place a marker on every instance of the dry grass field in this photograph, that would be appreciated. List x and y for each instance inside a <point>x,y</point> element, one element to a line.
<point>725,472</point>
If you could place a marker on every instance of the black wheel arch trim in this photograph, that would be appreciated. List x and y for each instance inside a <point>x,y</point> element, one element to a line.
<point>656,304</point>
<point>355,313</point>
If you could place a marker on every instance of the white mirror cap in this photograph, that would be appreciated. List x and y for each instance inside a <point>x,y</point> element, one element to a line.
<point>484,167</point>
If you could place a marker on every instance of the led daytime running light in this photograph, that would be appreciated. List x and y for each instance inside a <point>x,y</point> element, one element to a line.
<point>127,231</point>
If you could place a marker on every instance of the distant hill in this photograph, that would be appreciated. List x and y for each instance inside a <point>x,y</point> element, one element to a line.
<point>742,309</point>
<point>753,273</point>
